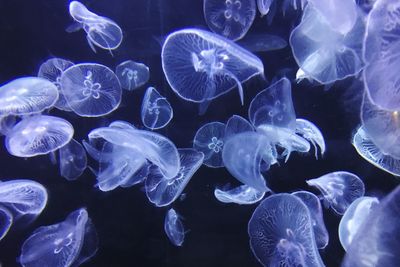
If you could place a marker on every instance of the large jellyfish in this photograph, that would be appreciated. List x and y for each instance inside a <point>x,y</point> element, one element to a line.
<point>73,160</point>
<point>281,233</point>
<point>6,221</point>
<point>242,194</point>
<point>156,111</point>
<point>91,89</point>
<point>173,227</point>
<point>132,75</point>
<point>68,243</point>
<point>230,18</point>
<point>38,135</point>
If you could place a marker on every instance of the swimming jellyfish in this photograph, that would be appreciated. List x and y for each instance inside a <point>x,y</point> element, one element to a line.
<point>263,6</point>
<point>242,194</point>
<point>91,89</point>
<point>132,75</point>
<point>262,42</point>
<point>281,233</point>
<point>173,227</point>
<point>156,111</point>
<point>310,132</point>
<point>73,160</point>
<point>6,221</point>
<point>237,124</point>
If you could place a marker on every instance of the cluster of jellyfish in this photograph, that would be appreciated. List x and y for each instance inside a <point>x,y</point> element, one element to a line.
<point>334,40</point>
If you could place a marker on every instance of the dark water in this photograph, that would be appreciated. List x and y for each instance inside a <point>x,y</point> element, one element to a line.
<point>130,229</point>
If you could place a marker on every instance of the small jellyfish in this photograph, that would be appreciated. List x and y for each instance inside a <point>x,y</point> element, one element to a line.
<point>262,42</point>
<point>354,217</point>
<point>314,206</point>
<point>242,195</point>
<point>263,6</point>
<point>6,221</point>
<point>281,233</point>
<point>235,125</point>
<point>339,189</point>
<point>73,160</point>
<point>27,95</point>
<point>52,69</point>
<point>132,75</point>
<point>230,18</point>
<point>162,191</point>
<point>68,243</point>
<point>209,139</point>
<point>156,110</point>
<point>310,132</point>
<point>173,227</point>
<point>91,89</point>
<point>101,31</point>
<point>38,135</point>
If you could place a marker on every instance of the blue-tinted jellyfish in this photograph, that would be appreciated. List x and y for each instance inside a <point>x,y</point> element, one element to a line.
<point>6,221</point>
<point>310,132</point>
<point>200,66</point>
<point>101,31</point>
<point>73,160</point>
<point>314,206</point>
<point>262,42</point>
<point>230,18</point>
<point>91,89</point>
<point>339,189</point>
<point>27,95</point>
<point>38,135</point>
<point>68,243</point>
<point>173,227</point>
<point>237,124</point>
<point>7,123</point>
<point>263,6</point>
<point>52,69</point>
<point>281,233</point>
<point>324,54</point>
<point>162,191</point>
<point>353,218</point>
<point>241,195</point>
<point>209,139</point>
<point>156,111</point>
<point>377,241</point>
<point>132,75</point>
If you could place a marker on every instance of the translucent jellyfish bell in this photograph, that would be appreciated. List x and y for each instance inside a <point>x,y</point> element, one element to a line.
<point>156,111</point>
<point>73,160</point>
<point>310,132</point>
<point>38,135</point>
<point>237,124</point>
<point>91,89</point>
<point>173,227</point>
<point>243,194</point>
<point>200,66</point>
<point>6,221</point>
<point>27,95</point>
<point>132,75</point>
<point>263,6</point>
<point>68,243</point>
<point>262,42</point>
<point>230,18</point>
<point>339,189</point>
<point>281,233</point>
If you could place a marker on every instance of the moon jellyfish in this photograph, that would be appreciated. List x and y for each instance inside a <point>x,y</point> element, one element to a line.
<point>237,124</point>
<point>230,18</point>
<point>314,206</point>
<point>200,66</point>
<point>73,160</point>
<point>156,110</point>
<point>209,139</point>
<point>263,6</point>
<point>68,243</point>
<point>38,135</point>
<point>173,227</point>
<point>243,194</point>
<point>354,217</point>
<point>324,54</point>
<point>91,89</point>
<point>162,191</point>
<point>27,95</point>
<point>281,233</point>
<point>132,75</point>
<point>101,31</point>
<point>339,189</point>
<point>6,221</point>
<point>262,42</point>
<point>310,132</point>
<point>52,70</point>
<point>7,123</point>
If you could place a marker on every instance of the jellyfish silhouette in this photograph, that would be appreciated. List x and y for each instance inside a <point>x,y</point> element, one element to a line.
<point>132,75</point>
<point>235,125</point>
<point>310,132</point>
<point>173,227</point>
<point>156,111</point>
<point>73,160</point>
<point>242,194</point>
<point>6,221</point>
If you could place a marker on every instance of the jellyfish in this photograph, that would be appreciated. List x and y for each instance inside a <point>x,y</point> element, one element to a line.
<point>6,221</point>
<point>101,31</point>
<point>68,243</point>
<point>354,217</point>
<point>156,110</point>
<point>262,42</point>
<point>91,89</point>
<point>38,135</point>
<point>162,191</point>
<point>310,132</point>
<point>209,139</point>
<point>263,6</point>
<point>339,189</point>
<point>132,75</point>
<point>52,69</point>
<point>237,124</point>
<point>230,18</point>
<point>314,206</point>
<point>73,160</point>
<point>200,66</point>
<point>7,123</point>
<point>242,195</point>
<point>281,233</point>
<point>324,54</point>
<point>173,227</point>
<point>27,95</point>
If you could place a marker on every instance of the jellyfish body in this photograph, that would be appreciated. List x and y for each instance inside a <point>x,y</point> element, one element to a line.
<point>6,221</point>
<point>263,6</point>
<point>132,75</point>
<point>339,189</point>
<point>281,233</point>
<point>242,195</point>
<point>156,111</point>
<point>91,89</point>
<point>173,227</point>
<point>73,160</point>
<point>310,132</point>
<point>235,125</point>
<point>262,42</point>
